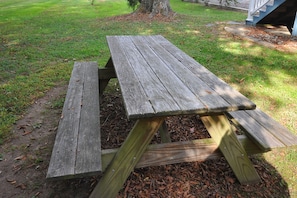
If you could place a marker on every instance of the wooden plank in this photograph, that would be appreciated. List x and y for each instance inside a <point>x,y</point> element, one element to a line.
<point>221,131</point>
<point>255,131</point>
<point>264,130</point>
<point>178,152</point>
<point>77,148</point>
<point>275,128</point>
<point>164,133</point>
<point>88,153</point>
<point>129,88</point>
<point>64,151</point>
<point>207,96</point>
<point>127,157</point>
<point>173,89</point>
<point>158,95</point>
<point>233,97</point>
<point>150,64</point>
<point>105,74</point>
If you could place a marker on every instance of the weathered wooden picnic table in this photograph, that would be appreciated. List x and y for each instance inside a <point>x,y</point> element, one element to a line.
<point>158,80</point>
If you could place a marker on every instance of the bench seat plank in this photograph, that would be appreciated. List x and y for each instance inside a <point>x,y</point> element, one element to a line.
<point>265,131</point>
<point>88,159</point>
<point>275,128</point>
<point>77,148</point>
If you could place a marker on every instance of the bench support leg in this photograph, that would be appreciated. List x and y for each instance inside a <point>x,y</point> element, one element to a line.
<point>126,158</point>
<point>105,74</point>
<point>222,133</point>
<point>164,133</point>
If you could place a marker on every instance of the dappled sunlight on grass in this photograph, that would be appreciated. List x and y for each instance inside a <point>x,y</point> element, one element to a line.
<point>266,76</point>
<point>277,97</point>
<point>40,42</point>
<point>193,32</point>
<point>233,48</point>
<point>146,32</point>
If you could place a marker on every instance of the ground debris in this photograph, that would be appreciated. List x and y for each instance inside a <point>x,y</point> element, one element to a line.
<point>276,37</point>
<point>24,169</point>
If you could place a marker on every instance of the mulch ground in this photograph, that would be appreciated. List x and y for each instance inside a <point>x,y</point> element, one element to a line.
<point>25,157</point>
<point>212,178</point>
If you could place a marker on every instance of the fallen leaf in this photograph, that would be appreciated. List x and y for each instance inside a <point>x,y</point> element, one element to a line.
<point>9,180</point>
<point>22,186</point>
<point>19,157</point>
<point>240,80</point>
<point>31,165</point>
<point>26,133</point>
<point>146,179</point>
<point>13,182</point>
<point>194,182</point>
<point>23,126</point>
<point>230,180</point>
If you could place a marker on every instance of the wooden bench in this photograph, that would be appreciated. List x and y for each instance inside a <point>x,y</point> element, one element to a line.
<point>77,147</point>
<point>261,129</point>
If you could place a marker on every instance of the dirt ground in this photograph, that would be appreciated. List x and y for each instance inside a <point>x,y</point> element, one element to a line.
<point>275,37</point>
<point>24,158</point>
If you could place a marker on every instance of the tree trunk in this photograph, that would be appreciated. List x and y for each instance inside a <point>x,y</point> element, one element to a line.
<point>155,7</point>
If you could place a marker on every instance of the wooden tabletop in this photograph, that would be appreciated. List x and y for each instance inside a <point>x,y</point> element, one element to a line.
<point>158,79</point>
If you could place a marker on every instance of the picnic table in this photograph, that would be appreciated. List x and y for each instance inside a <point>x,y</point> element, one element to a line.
<point>158,80</point>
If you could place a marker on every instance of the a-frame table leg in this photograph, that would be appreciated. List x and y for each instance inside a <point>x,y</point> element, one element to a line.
<point>224,135</point>
<point>126,158</point>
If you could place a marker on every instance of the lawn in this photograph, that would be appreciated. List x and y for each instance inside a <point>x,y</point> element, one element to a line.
<point>40,40</point>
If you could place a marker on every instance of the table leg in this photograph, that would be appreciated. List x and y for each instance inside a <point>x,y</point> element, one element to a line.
<point>126,158</point>
<point>223,134</point>
<point>105,74</point>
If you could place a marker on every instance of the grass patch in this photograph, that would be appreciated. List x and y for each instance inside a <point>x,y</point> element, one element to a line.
<point>40,40</point>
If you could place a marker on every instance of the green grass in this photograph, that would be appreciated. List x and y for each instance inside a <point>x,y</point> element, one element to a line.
<point>40,40</point>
